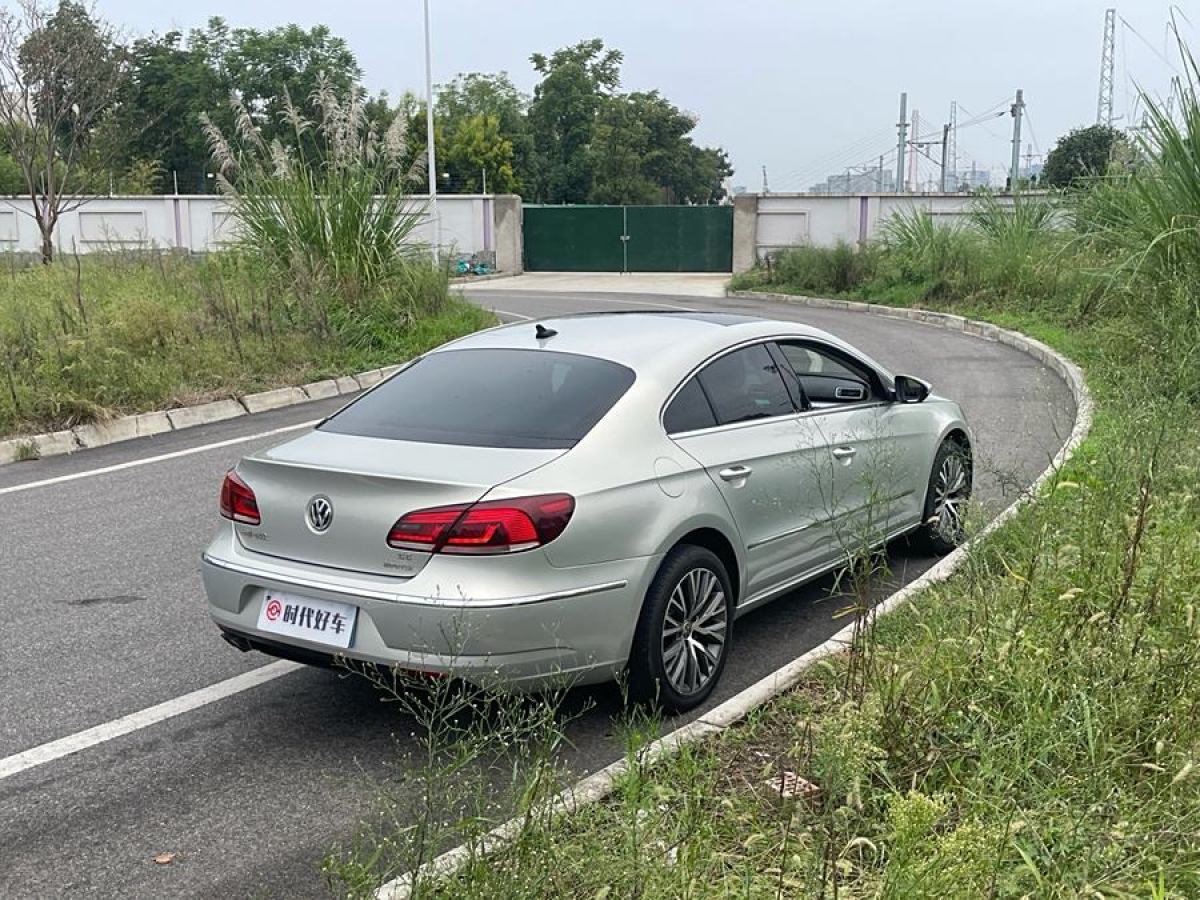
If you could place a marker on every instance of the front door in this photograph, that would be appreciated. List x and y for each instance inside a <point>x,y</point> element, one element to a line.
<point>755,453</point>
<point>867,487</point>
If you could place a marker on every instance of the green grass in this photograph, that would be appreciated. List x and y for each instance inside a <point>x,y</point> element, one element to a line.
<point>91,337</point>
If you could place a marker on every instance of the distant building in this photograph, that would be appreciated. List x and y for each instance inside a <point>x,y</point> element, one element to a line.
<point>969,180</point>
<point>871,181</point>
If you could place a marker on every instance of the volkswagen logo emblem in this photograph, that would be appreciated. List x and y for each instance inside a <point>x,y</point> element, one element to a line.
<point>320,513</point>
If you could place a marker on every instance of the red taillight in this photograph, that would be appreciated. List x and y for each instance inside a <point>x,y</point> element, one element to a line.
<point>238,501</point>
<point>495,526</point>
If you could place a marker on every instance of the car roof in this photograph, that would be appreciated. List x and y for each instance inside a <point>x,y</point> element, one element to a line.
<point>643,341</point>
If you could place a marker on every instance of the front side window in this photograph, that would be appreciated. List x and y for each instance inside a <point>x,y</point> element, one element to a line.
<point>745,385</point>
<point>825,378</point>
<point>534,399</point>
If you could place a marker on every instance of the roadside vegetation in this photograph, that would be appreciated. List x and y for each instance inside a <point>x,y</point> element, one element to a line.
<point>312,289</point>
<point>1027,728</point>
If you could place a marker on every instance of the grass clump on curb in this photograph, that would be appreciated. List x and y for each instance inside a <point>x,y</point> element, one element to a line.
<point>106,334</point>
<point>326,278</point>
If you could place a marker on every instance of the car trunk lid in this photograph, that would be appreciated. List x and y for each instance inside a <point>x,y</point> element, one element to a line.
<point>369,483</point>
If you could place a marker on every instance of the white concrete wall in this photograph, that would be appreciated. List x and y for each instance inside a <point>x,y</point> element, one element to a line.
<point>200,223</point>
<point>824,220</point>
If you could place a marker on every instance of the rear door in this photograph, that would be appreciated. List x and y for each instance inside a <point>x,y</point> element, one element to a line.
<point>737,418</point>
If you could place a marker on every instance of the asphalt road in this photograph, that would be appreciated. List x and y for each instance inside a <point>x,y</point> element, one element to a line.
<point>102,614</point>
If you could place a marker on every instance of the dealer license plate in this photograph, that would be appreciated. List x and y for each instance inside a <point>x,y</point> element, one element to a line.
<point>321,621</point>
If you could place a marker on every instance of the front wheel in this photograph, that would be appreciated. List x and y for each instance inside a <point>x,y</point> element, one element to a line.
<point>683,634</point>
<point>946,498</point>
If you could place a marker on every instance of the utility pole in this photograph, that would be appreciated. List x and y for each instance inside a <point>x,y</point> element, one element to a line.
<point>433,210</point>
<point>902,143</point>
<point>1104,104</point>
<point>1029,160</point>
<point>1018,108</point>
<point>952,154</point>
<point>879,177</point>
<point>483,172</point>
<point>913,166</point>
<point>765,190</point>
<point>945,148</point>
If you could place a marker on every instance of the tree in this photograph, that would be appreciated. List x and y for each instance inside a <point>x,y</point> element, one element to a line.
<point>593,144</point>
<point>158,111</point>
<point>477,146</point>
<point>666,158</point>
<point>1081,154</point>
<point>493,95</point>
<point>59,75</point>
<point>271,70</point>
<point>575,81</point>
<point>619,146</point>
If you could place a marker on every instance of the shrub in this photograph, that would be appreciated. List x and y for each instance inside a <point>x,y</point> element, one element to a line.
<point>841,269</point>
<point>335,221</point>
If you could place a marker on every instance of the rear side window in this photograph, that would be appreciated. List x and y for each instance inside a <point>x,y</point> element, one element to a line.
<point>689,410</point>
<point>745,385</point>
<point>534,399</point>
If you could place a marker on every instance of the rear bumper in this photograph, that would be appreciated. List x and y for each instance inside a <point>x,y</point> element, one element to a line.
<point>578,629</point>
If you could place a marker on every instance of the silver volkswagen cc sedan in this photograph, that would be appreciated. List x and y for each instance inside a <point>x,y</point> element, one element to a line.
<point>581,497</point>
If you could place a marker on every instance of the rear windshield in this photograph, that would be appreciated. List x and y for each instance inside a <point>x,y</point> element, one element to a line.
<point>534,399</point>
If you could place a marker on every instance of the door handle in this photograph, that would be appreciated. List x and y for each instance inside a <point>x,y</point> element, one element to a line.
<point>843,452</point>
<point>735,473</point>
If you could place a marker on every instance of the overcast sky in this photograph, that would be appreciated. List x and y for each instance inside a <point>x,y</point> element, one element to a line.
<point>804,88</point>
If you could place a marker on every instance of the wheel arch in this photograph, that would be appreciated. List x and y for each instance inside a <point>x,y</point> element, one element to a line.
<point>718,543</point>
<point>957,434</point>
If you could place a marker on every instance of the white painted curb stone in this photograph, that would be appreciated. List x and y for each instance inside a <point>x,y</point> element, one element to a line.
<point>598,785</point>
<point>125,428</point>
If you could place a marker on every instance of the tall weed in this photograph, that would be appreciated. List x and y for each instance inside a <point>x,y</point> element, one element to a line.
<point>337,221</point>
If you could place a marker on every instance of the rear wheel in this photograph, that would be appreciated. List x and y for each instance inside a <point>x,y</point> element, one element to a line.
<point>946,498</point>
<point>684,632</point>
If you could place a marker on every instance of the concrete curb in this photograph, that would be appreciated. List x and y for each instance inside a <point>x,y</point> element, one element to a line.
<point>461,280</point>
<point>125,428</point>
<point>600,784</point>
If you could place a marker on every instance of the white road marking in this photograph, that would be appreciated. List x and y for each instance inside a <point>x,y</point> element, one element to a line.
<point>505,312</point>
<point>83,740</point>
<point>163,457</point>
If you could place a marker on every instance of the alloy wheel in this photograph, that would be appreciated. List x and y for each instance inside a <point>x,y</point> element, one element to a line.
<point>694,630</point>
<point>951,492</point>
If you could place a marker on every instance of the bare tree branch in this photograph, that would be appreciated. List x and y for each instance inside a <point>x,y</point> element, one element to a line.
<point>60,71</point>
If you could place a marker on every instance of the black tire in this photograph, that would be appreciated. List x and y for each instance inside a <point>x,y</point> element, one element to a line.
<point>941,529</point>
<point>650,681</point>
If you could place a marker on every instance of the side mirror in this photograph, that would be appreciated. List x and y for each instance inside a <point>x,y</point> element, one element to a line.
<point>910,389</point>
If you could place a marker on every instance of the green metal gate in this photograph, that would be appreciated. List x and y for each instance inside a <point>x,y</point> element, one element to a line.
<point>628,238</point>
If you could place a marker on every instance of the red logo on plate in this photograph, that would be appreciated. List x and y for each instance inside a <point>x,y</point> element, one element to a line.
<point>274,608</point>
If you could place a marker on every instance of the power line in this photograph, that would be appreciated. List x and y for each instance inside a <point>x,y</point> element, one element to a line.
<point>1153,49</point>
<point>853,149</point>
<point>1032,135</point>
<point>864,148</point>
